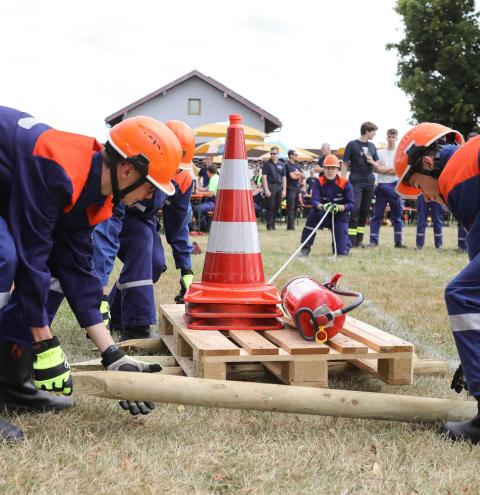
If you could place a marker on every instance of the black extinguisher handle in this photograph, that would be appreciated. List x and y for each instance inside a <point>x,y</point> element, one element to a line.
<point>332,286</point>
<point>298,322</point>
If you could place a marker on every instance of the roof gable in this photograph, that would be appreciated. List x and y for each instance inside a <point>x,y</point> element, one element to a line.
<point>273,122</point>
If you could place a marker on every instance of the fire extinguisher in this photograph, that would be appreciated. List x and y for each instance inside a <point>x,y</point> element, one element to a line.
<point>318,312</point>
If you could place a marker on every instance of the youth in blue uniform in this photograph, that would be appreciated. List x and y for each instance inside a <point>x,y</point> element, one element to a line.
<point>435,212</point>
<point>330,189</point>
<point>134,234</point>
<point>449,174</point>
<point>54,187</point>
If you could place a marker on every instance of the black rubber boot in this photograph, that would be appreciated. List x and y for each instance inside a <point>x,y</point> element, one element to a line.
<point>142,332</point>
<point>17,391</point>
<point>9,432</point>
<point>305,251</point>
<point>469,431</point>
<point>353,240</point>
<point>360,240</point>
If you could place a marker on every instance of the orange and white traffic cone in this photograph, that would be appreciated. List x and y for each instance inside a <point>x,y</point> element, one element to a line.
<point>233,294</point>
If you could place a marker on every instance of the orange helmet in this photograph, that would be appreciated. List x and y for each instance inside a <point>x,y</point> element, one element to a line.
<point>151,147</point>
<point>331,161</point>
<point>413,146</point>
<point>185,135</point>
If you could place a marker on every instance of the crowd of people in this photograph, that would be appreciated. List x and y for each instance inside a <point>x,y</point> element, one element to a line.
<point>359,188</point>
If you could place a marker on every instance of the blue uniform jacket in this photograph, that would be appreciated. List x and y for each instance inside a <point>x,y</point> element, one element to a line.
<point>176,211</point>
<point>338,191</point>
<point>50,196</point>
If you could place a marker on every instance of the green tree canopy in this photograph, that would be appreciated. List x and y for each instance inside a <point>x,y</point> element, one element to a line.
<point>439,61</point>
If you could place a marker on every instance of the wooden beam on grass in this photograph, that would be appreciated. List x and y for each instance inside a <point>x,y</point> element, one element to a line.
<point>267,397</point>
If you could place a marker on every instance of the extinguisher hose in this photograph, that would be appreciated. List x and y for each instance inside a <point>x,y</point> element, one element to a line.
<point>280,270</point>
<point>346,309</point>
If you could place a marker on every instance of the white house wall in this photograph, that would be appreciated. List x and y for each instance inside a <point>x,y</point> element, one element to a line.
<point>214,106</point>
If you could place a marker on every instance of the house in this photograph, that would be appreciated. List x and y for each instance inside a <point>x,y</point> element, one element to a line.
<point>197,100</point>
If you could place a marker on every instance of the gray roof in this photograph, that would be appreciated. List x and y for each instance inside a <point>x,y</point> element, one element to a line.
<point>271,122</point>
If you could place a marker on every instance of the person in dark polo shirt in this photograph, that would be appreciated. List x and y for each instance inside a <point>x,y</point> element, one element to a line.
<point>293,174</point>
<point>274,186</point>
<point>361,158</point>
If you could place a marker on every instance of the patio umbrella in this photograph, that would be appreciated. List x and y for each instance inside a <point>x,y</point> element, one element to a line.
<point>217,145</point>
<point>219,129</point>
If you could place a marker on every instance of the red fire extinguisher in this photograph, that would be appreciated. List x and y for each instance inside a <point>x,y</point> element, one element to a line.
<point>318,312</point>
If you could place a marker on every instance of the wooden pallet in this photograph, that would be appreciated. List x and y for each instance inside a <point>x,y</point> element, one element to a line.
<point>293,360</point>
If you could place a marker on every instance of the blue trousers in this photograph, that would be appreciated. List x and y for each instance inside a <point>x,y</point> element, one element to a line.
<point>105,245</point>
<point>463,305</point>
<point>385,194</point>
<point>8,262</point>
<point>340,229</point>
<point>132,300</point>
<point>435,211</point>
<point>461,236</point>
<point>202,214</point>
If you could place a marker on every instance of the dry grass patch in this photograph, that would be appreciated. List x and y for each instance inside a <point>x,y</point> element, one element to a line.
<point>97,448</point>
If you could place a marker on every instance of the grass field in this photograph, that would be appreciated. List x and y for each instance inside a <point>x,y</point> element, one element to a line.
<point>98,448</point>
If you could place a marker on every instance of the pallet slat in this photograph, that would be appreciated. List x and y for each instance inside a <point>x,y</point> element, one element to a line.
<point>253,342</point>
<point>344,344</point>
<point>292,342</point>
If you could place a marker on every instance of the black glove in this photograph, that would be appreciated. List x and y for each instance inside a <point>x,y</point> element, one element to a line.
<point>458,380</point>
<point>113,359</point>
<point>185,280</point>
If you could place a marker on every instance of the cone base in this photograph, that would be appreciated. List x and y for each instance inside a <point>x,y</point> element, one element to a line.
<point>205,310</point>
<point>233,323</point>
<point>245,294</point>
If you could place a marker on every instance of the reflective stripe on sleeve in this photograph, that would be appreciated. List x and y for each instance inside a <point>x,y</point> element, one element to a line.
<point>467,321</point>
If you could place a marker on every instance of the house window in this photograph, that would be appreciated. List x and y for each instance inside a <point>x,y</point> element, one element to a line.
<point>194,106</point>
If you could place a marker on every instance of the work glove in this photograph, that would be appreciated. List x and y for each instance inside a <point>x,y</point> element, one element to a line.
<point>113,359</point>
<point>332,207</point>
<point>186,279</point>
<point>458,380</point>
<point>105,310</point>
<point>51,371</point>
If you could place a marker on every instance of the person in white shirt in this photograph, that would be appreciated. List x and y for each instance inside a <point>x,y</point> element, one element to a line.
<point>385,193</point>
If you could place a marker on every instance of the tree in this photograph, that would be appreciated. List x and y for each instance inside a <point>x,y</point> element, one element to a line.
<point>439,61</point>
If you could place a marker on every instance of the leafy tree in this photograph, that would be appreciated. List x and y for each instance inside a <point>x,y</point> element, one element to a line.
<point>439,61</point>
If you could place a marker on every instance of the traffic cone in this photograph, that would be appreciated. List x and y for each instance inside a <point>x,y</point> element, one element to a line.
<point>233,294</point>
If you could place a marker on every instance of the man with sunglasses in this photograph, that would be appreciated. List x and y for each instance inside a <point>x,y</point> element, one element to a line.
<point>432,161</point>
<point>274,186</point>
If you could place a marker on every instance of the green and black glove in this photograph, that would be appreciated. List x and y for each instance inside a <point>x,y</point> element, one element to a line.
<point>113,359</point>
<point>458,381</point>
<point>186,279</point>
<point>331,207</point>
<point>105,310</point>
<point>51,371</point>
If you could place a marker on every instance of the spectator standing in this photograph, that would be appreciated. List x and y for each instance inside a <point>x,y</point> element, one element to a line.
<point>294,176</point>
<point>385,193</point>
<point>203,172</point>
<point>274,186</point>
<point>361,157</point>
<point>435,211</point>
<point>209,194</point>
<point>324,151</point>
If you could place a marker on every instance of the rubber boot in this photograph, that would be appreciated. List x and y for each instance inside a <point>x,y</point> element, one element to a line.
<point>142,332</point>
<point>9,432</point>
<point>359,240</point>
<point>17,390</point>
<point>305,251</point>
<point>353,240</point>
<point>469,431</point>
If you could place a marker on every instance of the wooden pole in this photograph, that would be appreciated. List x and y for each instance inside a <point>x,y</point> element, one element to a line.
<point>268,397</point>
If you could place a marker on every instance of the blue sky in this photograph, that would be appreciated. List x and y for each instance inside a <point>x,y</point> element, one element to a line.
<point>320,67</point>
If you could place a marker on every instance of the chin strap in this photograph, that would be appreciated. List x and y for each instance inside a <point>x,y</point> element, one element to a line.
<point>140,162</point>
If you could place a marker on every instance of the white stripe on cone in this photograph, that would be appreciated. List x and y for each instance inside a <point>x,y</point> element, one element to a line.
<point>233,238</point>
<point>234,175</point>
